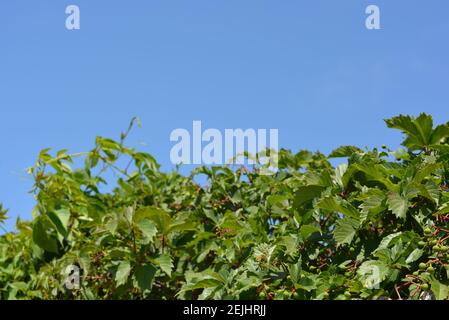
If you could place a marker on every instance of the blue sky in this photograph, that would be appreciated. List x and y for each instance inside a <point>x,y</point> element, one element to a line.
<point>308,68</point>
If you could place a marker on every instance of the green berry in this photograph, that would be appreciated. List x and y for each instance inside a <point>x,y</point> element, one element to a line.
<point>421,244</point>
<point>427,231</point>
<point>416,273</point>
<point>262,295</point>
<point>422,266</point>
<point>430,269</point>
<point>433,242</point>
<point>435,248</point>
<point>444,248</point>
<point>425,286</point>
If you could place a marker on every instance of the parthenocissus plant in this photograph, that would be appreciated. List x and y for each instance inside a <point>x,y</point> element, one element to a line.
<point>374,226</point>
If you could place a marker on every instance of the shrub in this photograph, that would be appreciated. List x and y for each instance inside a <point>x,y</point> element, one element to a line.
<point>374,226</point>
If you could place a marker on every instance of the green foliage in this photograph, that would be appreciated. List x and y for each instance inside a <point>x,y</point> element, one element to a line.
<point>374,226</point>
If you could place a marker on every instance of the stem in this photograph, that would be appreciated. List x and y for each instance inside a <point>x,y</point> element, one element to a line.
<point>397,292</point>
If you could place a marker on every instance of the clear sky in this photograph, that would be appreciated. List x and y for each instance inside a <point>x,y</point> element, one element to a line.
<point>308,68</point>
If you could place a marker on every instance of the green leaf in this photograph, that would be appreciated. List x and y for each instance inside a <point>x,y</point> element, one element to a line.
<point>165,263</point>
<point>60,219</point>
<point>42,234</point>
<point>160,217</point>
<point>345,230</point>
<point>145,276</point>
<point>179,226</point>
<point>338,205</point>
<point>290,243</point>
<point>372,205</point>
<point>440,290</point>
<point>372,273</point>
<point>414,256</point>
<point>306,194</point>
<point>122,274</point>
<point>148,228</point>
<point>387,240</point>
<point>397,204</point>
<point>307,283</point>
<point>295,271</point>
<point>431,191</point>
<point>340,175</point>
<point>376,172</point>
<point>439,134</point>
<point>419,131</point>
<point>344,152</point>
<point>307,230</point>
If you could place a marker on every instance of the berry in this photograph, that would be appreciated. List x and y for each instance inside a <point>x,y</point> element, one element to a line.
<point>433,242</point>
<point>416,273</point>
<point>430,269</point>
<point>262,295</point>
<point>425,286</point>
<point>422,266</point>
<point>427,231</point>
<point>444,248</point>
<point>435,248</point>
<point>421,244</point>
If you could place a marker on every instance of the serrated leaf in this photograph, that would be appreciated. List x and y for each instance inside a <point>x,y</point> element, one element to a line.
<point>148,228</point>
<point>159,216</point>
<point>295,271</point>
<point>345,230</point>
<point>165,263</point>
<point>307,283</point>
<point>339,205</point>
<point>414,256</point>
<point>386,241</point>
<point>306,194</point>
<point>122,273</point>
<point>440,290</point>
<point>398,204</point>
<point>344,151</point>
<point>372,273</point>
<point>340,171</point>
<point>145,276</point>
